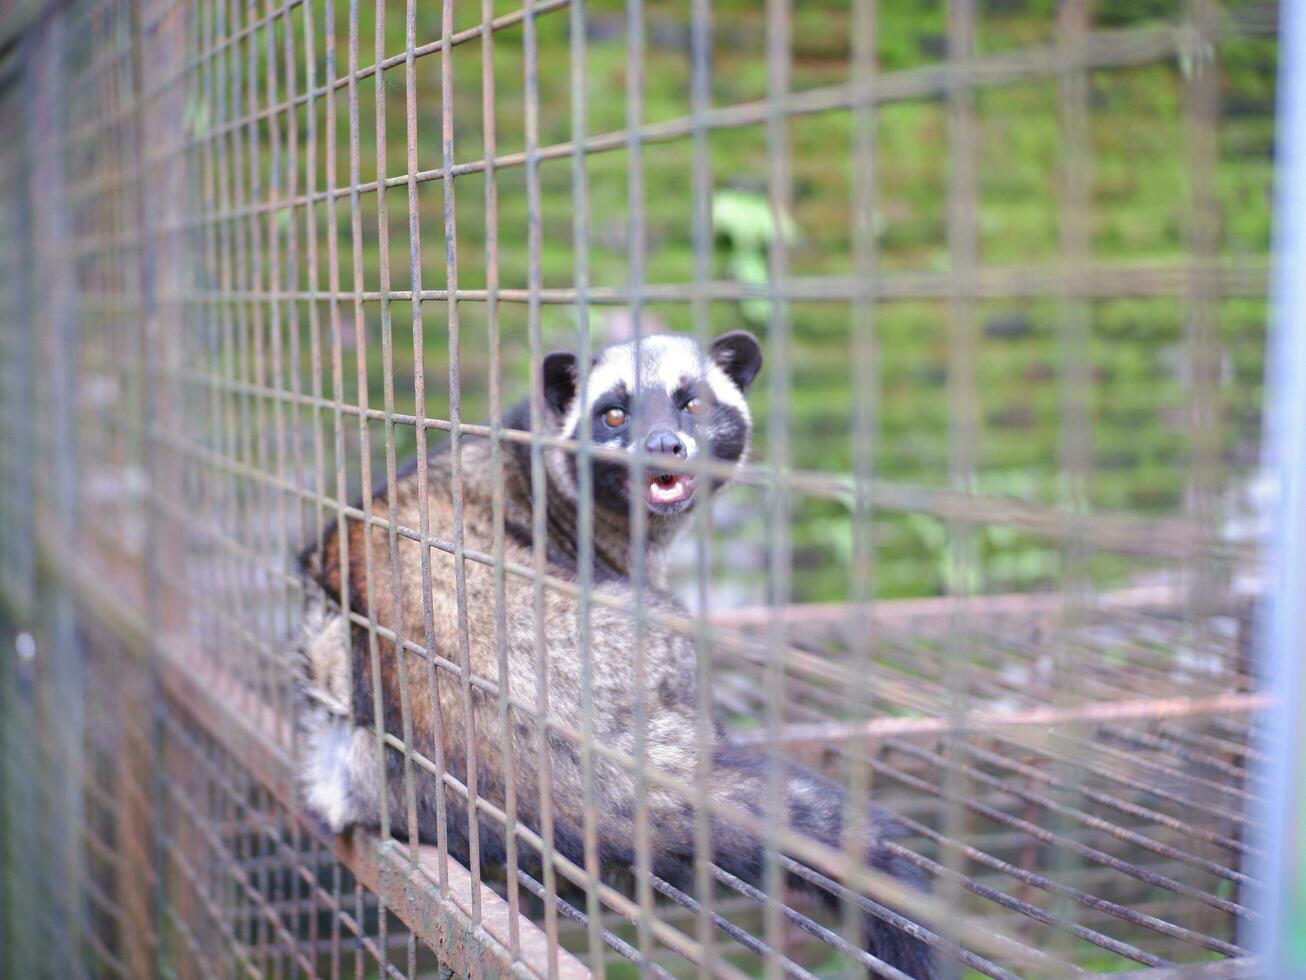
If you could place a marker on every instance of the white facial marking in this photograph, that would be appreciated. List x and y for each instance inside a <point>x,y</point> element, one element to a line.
<point>664,361</point>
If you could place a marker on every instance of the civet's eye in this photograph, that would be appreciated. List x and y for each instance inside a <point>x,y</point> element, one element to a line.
<point>695,406</point>
<point>615,418</point>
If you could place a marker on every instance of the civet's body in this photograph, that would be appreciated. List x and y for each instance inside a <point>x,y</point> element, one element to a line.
<point>692,404</point>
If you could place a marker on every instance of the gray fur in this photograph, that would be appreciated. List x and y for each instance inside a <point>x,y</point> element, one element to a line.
<point>341,766</point>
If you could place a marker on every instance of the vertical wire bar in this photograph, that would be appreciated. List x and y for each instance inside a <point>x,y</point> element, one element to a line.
<point>636,246</point>
<point>122,342</point>
<point>203,359</point>
<point>211,312</point>
<point>865,386</point>
<point>197,420</point>
<point>779,28</point>
<point>23,361</point>
<point>360,918</point>
<point>268,844</point>
<point>227,372</point>
<point>149,347</point>
<point>338,370</point>
<point>292,288</point>
<point>963,407</point>
<point>539,520</point>
<point>259,494</point>
<point>455,449</point>
<point>1201,111</point>
<point>249,318</point>
<point>700,48</point>
<point>365,452</point>
<point>398,650</point>
<point>314,866</point>
<point>584,479</point>
<point>257,517</point>
<point>21,505</point>
<point>64,681</point>
<point>283,499</point>
<point>58,686</point>
<point>1074,319</point>
<point>313,283</point>
<point>489,141</point>
<point>286,943</point>
<point>249,253</point>
<point>216,245</point>
<point>336,889</point>
<point>1208,580</point>
<point>1276,935</point>
<point>419,409</point>
<point>219,882</point>
<point>305,870</point>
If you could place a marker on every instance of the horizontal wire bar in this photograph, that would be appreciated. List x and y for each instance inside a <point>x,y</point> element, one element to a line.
<point>1126,535</point>
<point>1102,49</point>
<point>1094,280</point>
<point>981,722</point>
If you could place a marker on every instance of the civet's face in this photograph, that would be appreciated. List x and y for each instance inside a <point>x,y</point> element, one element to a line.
<point>663,394</point>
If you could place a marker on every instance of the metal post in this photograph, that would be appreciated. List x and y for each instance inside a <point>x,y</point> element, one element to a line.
<point>1281,935</point>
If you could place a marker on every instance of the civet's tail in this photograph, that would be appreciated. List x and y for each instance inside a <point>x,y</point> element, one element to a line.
<point>339,774</point>
<point>816,809</point>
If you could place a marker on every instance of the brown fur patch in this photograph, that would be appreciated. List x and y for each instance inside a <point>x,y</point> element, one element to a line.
<point>463,730</point>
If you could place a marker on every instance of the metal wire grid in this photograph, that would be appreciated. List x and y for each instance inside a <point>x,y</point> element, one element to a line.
<point>187,315</point>
<point>252,890</point>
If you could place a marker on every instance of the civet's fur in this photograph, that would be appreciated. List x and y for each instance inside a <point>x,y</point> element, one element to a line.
<point>340,768</point>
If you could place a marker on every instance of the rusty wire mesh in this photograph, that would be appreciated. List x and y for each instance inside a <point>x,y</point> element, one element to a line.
<point>209,349</point>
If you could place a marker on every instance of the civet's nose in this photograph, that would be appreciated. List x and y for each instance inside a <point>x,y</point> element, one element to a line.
<point>665,441</point>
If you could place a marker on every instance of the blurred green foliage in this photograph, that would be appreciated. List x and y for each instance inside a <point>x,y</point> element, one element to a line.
<point>1140,212</point>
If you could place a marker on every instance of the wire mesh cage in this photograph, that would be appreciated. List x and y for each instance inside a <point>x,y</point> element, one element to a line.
<point>993,559</point>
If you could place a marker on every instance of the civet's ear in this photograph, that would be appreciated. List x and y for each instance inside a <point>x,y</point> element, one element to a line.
<point>739,355</point>
<point>559,379</point>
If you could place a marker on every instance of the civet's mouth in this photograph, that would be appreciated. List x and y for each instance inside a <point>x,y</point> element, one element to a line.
<point>665,490</point>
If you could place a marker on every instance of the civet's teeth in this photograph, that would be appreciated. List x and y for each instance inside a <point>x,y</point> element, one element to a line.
<point>677,490</point>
